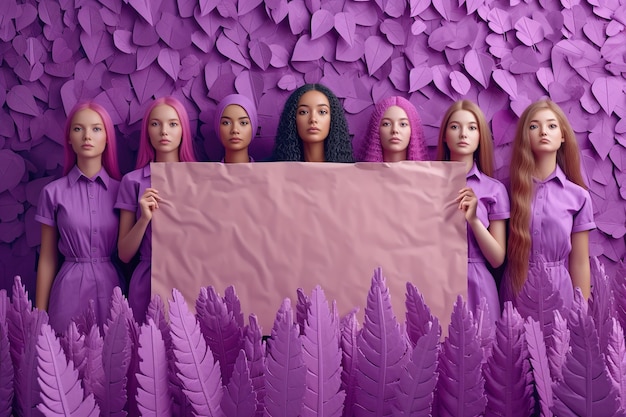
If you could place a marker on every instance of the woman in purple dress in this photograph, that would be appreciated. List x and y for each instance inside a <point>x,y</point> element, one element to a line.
<point>235,126</point>
<point>465,137</point>
<point>79,222</point>
<point>551,211</point>
<point>165,137</point>
<point>395,133</point>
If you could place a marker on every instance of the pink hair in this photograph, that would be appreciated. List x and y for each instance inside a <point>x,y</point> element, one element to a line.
<point>109,157</point>
<point>146,152</point>
<point>372,150</point>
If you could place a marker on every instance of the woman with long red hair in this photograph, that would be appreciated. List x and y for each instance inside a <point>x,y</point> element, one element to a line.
<point>551,211</point>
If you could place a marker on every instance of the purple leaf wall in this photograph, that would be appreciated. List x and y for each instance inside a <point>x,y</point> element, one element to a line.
<point>502,54</point>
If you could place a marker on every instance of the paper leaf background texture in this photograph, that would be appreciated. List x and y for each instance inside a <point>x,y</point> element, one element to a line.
<point>501,54</point>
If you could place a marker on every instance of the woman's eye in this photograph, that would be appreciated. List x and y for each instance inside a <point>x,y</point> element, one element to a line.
<point>244,123</point>
<point>154,124</point>
<point>77,129</point>
<point>553,126</point>
<point>386,124</point>
<point>452,127</point>
<point>225,122</point>
<point>404,124</point>
<point>323,112</point>
<point>473,128</point>
<point>173,124</point>
<point>97,129</point>
<point>533,127</point>
<point>302,112</point>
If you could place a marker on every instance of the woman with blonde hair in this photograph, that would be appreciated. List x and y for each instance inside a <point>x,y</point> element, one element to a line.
<point>551,211</point>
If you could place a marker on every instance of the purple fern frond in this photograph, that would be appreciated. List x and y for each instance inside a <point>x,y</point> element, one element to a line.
<point>153,396</point>
<point>255,355</point>
<point>601,304</point>
<point>116,352</point>
<point>507,375</point>
<point>557,352</point>
<point>4,307</point>
<point>233,305</point>
<point>61,392</point>
<point>485,327</point>
<point>221,332</point>
<point>93,371</point>
<point>418,316</point>
<point>239,399</point>
<point>539,298</point>
<point>586,388</point>
<point>349,329</point>
<point>322,358</point>
<point>7,373</point>
<point>198,372</point>
<point>415,393</point>
<point>27,392</point>
<point>285,377</point>
<point>616,359</point>
<point>539,363</point>
<point>618,285</point>
<point>303,304</point>
<point>461,386</point>
<point>382,353</point>
<point>73,344</point>
<point>20,320</point>
<point>87,319</point>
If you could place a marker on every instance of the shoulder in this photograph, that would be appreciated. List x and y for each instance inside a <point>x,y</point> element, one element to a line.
<point>132,177</point>
<point>576,190</point>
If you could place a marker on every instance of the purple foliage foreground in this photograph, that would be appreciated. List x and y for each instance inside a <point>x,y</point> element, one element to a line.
<point>566,363</point>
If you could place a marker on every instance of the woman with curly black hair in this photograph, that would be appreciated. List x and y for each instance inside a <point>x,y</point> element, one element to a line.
<point>313,128</point>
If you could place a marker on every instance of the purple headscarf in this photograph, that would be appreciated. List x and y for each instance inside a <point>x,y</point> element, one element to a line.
<point>239,100</point>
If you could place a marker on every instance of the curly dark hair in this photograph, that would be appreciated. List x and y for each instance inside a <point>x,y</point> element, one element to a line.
<point>288,145</point>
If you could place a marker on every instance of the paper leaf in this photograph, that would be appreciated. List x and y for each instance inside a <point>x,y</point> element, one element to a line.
<point>27,391</point>
<point>260,53</point>
<point>377,52</point>
<point>230,50</point>
<point>153,395</point>
<point>508,384</point>
<point>303,304</point>
<point>539,365</point>
<point>441,78</point>
<point>601,304</point>
<point>499,20</point>
<point>255,355</point>
<point>415,392</point>
<point>98,47</point>
<point>394,31</point>
<point>616,359</point>
<point>345,25</point>
<point>169,60</point>
<point>322,22</point>
<point>21,99</point>
<point>441,38</point>
<point>586,387</point>
<point>528,31</point>
<point>116,353</point>
<point>307,50</point>
<point>245,7</point>
<point>479,66</point>
<point>419,78</point>
<point>90,20</point>
<point>220,330</point>
<point>506,81</point>
<point>460,387</point>
<point>144,8</point>
<point>579,54</point>
<point>382,352</point>
<point>322,359</point>
<point>604,89</point>
<point>62,394</point>
<point>349,336</point>
<point>598,137</point>
<point>175,35</point>
<point>239,399</point>
<point>6,373</point>
<point>285,377</point>
<point>12,169</point>
<point>198,371</point>
<point>123,40</point>
<point>559,346</point>
<point>459,82</point>
<point>419,319</point>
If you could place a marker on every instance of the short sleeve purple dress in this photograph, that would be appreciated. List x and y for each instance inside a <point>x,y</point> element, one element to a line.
<point>82,210</point>
<point>131,189</point>
<point>493,204</point>
<point>559,208</point>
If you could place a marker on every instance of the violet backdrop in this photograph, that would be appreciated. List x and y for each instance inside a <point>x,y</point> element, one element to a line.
<point>501,54</point>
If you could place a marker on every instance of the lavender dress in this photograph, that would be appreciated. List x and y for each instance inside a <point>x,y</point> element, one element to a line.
<point>82,211</point>
<point>493,204</point>
<point>132,188</point>
<point>559,208</point>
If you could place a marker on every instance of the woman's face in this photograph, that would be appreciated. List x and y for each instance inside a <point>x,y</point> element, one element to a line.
<point>462,134</point>
<point>235,128</point>
<point>394,130</point>
<point>313,117</point>
<point>165,129</point>
<point>87,135</point>
<point>545,132</point>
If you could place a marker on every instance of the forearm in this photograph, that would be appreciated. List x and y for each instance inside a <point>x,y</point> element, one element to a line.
<point>128,243</point>
<point>46,267</point>
<point>491,242</point>
<point>579,268</point>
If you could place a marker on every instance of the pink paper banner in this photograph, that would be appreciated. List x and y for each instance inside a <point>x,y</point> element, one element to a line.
<point>271,228</point>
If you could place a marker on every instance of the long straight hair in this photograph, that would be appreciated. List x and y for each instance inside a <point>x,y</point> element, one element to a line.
<point>146,153</point>
<point>483,155</point>
<point>522,170</point>
<point>109,157</point>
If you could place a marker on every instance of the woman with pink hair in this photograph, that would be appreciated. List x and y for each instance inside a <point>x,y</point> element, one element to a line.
<point>165,137</point>
<point>395,133</point>
<point>78,221</point>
